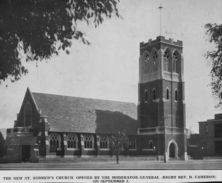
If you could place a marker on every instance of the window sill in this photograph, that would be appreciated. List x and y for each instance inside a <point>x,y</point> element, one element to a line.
<point>89,149</point>
<point>72,149</point>
<point>104,149</point>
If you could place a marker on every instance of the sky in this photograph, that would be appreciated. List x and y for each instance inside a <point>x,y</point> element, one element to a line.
<point>108,67</point>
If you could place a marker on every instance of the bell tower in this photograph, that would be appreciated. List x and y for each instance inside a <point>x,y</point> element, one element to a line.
<point>161,109</point>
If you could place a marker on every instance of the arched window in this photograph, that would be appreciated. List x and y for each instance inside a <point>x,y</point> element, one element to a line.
<point>89,141</point>
<point>176,61</point>
<point>27,114</point>
<point>146,96</point>
<point>176,95</point>
<point>154,63</point>
<point>148,64</point>
<point>150,144</point>
<point>72,141</point>
<point>104,142</point>
<point>167,94</point>
<point>54,141</point>
<point>166,58</point>
<point>147,58</point>
<point>154,94</point>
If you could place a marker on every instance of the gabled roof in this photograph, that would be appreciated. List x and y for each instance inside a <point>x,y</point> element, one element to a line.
<point>75,114</point>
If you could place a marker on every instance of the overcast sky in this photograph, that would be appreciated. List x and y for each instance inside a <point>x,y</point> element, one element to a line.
<point>108,68</point>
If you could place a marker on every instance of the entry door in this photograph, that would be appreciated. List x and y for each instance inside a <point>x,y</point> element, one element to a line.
<point>26,152</point>
<point>172,150</point>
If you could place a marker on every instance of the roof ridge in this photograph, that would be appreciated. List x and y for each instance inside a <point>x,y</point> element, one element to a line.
<point>84,98</point>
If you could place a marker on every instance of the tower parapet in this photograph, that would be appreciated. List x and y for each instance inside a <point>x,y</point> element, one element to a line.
<point>162,39</point>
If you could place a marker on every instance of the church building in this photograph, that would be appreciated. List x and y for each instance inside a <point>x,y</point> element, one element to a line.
<point>49,125</point>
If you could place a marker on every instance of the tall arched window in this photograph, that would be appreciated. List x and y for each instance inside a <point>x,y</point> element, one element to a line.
<point>27,114</point>
<point>176,61</point>
<point>154,63</point>
<point>72,141</point>
<point>166,58</point>
<point>89,141</point>
<point>54,141</point>
<point>176,95</point>
<point>167,94</point>
<point>154,94</point>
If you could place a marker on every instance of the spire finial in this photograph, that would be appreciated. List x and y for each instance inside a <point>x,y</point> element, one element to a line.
<point>160,8</point>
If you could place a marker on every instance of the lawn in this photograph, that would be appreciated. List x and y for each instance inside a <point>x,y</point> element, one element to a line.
<point>125,163</point>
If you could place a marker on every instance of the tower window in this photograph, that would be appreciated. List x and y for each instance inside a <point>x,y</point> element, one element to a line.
<point>147,58</point>
<point>167,94</point>
<point>175,61</point>
<point>166,61</point>
<point>176,95</point>
<point>146,96</point>
<point>148,64</point>
<point>154,66</point>
<point>154,94</point>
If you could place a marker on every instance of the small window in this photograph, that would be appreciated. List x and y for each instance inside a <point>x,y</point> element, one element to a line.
<point>176,95</point>
<point>146,96</point>
<point>167,94</point>
<point>154,94</point>
<point>104,142</point>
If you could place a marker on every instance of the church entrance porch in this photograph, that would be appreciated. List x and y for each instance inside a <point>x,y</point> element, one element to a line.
<point>21,145</point>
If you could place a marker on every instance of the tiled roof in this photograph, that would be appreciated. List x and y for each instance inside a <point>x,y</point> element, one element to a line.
<point>74,114</point>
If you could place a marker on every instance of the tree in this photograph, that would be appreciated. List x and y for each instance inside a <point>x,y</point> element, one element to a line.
<point>215,33</point>
<point>119,141</point>
<point>33,30</point>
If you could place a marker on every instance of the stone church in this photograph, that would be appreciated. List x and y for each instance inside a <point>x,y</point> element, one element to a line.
<point>50,125</point>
